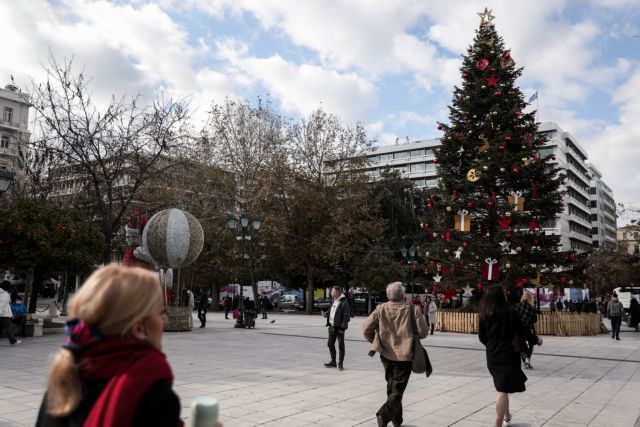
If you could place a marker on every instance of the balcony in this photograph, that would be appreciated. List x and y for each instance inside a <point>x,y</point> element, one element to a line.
<point>12,126</point>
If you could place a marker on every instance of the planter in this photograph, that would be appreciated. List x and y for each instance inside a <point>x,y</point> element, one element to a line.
<point>180,319</point>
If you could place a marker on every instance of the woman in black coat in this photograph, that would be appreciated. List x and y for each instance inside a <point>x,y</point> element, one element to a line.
<point>501,332</point>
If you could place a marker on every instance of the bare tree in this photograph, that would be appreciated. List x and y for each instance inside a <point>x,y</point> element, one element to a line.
<point>100,157</point>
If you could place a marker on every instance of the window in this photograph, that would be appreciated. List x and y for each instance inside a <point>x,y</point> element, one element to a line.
<point>386,157</point>
<point>593,190</point>
<point>8,114</point>
<point>417,153</point>
<point>594,204</point>
<point>430,167</point>
<point>594,217</point>
<point>418,167</point>
<point>401,155</point>
<point>4,141</point>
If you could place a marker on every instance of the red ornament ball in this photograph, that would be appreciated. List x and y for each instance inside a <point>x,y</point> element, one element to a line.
<point>436,161</point>
<point>518,113</point>
<point>465,75</point>
<point>493,69</point>
<point>465,245</point>
<point>440,127</point>
<point>490,202</point>
<point>501,147</point>
<point>498,93</point>
<point>536,241</point>
<point>429,206</point>
<point>508,236</point>
<point>507,138</point>
<point>469,204</point>
<point>516,170</point>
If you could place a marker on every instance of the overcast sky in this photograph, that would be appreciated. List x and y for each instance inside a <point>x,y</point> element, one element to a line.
<point>390,64</point>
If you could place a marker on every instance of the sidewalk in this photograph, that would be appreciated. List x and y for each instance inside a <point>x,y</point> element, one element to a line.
<point>273,376</point>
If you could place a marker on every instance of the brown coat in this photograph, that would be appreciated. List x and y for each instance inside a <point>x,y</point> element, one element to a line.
<point>388,328</point>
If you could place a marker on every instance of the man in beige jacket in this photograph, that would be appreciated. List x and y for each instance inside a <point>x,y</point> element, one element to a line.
<point>389,329</point>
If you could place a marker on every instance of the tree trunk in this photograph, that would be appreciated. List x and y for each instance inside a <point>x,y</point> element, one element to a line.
<point>369,301</point>
<point>311,289</point>
<point>33,299</point>
<point>254,284</point>
<point>27,289</point>
<point>215,297</point>
<point>106,252</point>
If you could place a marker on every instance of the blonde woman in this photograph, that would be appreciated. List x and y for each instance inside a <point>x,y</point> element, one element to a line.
<point>111,370</point>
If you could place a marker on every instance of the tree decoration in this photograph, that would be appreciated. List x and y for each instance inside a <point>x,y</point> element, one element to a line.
<point>482,64</point>
<point>515,198</point>
<point>491,269</point>
<point>463,220</point>
<point>504,223</point>
<point>473,175</point>
<point>492,80</point>
<point>485,144</point>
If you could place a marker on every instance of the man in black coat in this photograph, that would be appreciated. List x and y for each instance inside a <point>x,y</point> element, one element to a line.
<point>203,307</point>
<point>337,320</point>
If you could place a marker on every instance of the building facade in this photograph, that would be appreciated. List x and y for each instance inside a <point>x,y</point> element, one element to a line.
<point>574,226</point>
<point>629,238</point>
<point>603,212</point>
<point>13,126</point>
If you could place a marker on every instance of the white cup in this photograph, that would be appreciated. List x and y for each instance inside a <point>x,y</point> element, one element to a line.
<point>204,412</point>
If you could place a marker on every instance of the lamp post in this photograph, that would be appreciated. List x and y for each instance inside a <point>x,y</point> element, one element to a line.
<point>245,235</point>
<point>5,180</point>
<point>412,253</point>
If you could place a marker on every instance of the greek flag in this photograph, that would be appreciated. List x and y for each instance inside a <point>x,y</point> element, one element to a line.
<point>533,97</point>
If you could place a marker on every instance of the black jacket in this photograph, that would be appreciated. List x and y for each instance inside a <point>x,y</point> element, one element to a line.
<point>343,314</point>
<point>159,407</point>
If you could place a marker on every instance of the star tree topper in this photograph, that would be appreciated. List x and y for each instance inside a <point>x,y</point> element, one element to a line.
<point>486,17</point>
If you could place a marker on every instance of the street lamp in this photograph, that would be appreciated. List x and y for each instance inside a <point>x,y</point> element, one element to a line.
<point>232,223</point>
<point>5,180</point>
<point>412,253</point>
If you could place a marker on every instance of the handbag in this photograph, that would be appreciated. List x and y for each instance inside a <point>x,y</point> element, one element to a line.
<point>420,362</point>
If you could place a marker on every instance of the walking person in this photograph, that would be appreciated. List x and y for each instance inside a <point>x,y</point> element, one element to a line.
<point>500,331</point>
<point>528,318</point>
<point>19,311</point>
<point>430,313</point>
<point>389,328</point>
<point>264,304</point>
<point>111,371</point>
<point>227,306</point>
<point>5,312</point>
<point>634,312</point>
<point>337,321</point>
<point>352,305</point>
<point>203,307</point>
<point>615,311</point>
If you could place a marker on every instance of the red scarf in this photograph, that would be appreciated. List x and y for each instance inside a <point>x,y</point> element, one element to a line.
<point>133,366</point>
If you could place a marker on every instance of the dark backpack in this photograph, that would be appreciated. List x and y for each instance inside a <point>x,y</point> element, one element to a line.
<point>616,309</point>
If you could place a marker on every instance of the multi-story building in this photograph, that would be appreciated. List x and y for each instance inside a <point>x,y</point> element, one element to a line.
<point>14,119</point>
<point>629,238</point>
<point>603,212</point>
<point>416,161</point>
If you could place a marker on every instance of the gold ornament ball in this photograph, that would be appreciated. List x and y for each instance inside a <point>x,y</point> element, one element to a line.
<point>449,209</point>
<point>493,52</point>
<point>502,169</point>
<point>428,254</point>
<point>466,98</point>
<point>470,132</point>
<point>507,265</point>
<point>446,251</point>
<point>475,116</point>
<point>494,113</point>
<point>484,86</point>
<point>518,249</point>
<point>485,168</point>
<point>508,213</point>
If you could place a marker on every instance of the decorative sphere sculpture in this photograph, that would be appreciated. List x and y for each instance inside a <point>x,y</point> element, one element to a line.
<point>173,237</point>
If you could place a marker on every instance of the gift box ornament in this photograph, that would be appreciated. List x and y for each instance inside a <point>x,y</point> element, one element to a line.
<point>517,201</point>
<point>463,221</point>
<point>491,269</point>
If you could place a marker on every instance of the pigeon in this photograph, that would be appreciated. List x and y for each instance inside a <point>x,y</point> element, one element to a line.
<point>273,321</point>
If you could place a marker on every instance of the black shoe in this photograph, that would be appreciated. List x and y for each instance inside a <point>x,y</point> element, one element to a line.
<point>618,338</point>
<point>395,424</point>
<point>381,422</point>
<point>340,367</point>
<point>331,364</point>
<point>202,326</point>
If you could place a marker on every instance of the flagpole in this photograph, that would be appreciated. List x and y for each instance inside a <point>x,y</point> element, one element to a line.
<point>537,105</point>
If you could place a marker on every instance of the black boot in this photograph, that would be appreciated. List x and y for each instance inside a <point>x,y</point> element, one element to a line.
<point>331,364</point>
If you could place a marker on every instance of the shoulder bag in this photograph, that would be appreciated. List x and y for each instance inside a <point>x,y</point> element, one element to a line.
<point>420,362</point>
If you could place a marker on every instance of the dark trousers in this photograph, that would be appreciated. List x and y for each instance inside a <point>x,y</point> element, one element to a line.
<point>5,323</point>
<point>397,375</point>
<point>202,315</point>
<point>331,343</point>
<point>226,311</point>
<point>264,311</point>
<point>21,322</point>
<point>616,321</point>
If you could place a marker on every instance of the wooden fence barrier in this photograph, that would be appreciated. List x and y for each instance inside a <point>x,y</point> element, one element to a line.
<point>561,324</point>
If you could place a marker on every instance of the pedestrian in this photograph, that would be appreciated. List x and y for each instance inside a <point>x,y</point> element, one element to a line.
<point>634,312</point>
<point>559,305</point>
<point>111,370</point>
<point>191,299</point>
<point>615,310</point>
<point>572,306</point>
<point>19,311</point>
<point>593,306</point>
<point>264,304</point>
<point>227,306</point>
<point>5,312</point>
<point>552,307</point>
<point>500,332</point>
<point>352,305</point>
<point>337,321</point>
<point>430,313</point>
<point>389,328</point>
<point>528,318</point>
<point>203,307</point>
<point>606,306</point>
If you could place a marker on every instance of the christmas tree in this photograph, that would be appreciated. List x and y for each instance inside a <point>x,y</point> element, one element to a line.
<point>484,224</point>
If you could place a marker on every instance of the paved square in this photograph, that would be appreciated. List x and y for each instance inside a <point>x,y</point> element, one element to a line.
<point>273,376</point>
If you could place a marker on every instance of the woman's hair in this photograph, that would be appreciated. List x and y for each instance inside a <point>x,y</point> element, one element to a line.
<point>428,298</point>
<point>494,303</point>
<point>527,297</point>
<point>112,299</point>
